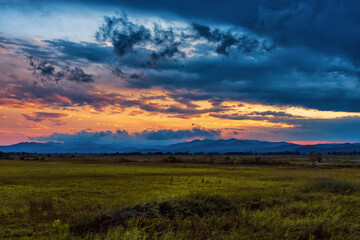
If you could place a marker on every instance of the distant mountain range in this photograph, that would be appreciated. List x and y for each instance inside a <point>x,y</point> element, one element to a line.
<point>195,146</point>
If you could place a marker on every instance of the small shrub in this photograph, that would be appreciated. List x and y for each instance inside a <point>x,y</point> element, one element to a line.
<point>60,230</point>
<point>124,159</point>
<point>315,157</point>
<point>228,160</point>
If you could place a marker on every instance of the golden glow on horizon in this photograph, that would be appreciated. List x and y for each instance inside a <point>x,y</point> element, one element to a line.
<point>135,119</point>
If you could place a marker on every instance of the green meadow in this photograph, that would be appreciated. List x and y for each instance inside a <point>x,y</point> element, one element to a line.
<point>153,198</point>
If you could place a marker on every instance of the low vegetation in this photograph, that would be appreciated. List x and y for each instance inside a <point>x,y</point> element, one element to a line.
<point>330,186</point>
<point>180,197</point>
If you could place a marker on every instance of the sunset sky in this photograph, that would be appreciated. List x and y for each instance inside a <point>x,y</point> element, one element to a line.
<point>167,71</point>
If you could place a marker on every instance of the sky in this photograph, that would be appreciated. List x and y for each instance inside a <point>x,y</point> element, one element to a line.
<point>161,72</point>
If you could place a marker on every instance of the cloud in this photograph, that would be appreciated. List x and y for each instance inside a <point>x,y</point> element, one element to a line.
<point>122,136</point>
<point>77,75</point>
<point>345,129</point>
<point>72,74</point>
<point>286,76</point>
<point>41,116</point>
<point>58,96</point>
<point>269,116</point>
<point>339,129</point>
<point>305,23</point>
<point>312,24</point>
<point>91,52</point>
<point>43,67</point>
<point>36,126</point>
<point>123,34</point>
<point>59,50</point>
<point>274,114</point>
<point>179,134</point>
<point>128,37</point>
<point>169,42</point>
<point>300,71</point>
<point>301,23</point>
<point>228,40</point>
<point>118,72</point>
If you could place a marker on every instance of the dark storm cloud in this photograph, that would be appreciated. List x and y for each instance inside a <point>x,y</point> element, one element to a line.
<point>128,37</point>
<point>227,40</point>
<point>327,26</point>
<point>291,76</point>
<point>77,75</point>
<point>167,53</point>
<point>43,67</point>
<point>166,38</point>
<point>124,136</point>
<point>127,75</point>
<point>135,76</point>
<point>123,34</point>
<point>84,50</point>
<point>47,70</point>
<point>118,72</point>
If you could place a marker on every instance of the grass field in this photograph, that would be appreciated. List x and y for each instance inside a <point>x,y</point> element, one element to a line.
<point>156,200</point>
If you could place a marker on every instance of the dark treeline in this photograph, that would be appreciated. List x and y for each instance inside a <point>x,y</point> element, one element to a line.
<point>230,158</point>
<point>39,156</point>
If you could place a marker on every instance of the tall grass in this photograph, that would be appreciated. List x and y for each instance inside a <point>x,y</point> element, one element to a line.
<point>330,186</point>
<point>113,200</point>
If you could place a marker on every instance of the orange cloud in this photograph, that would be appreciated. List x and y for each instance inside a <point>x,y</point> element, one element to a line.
<point>36,126</point>
<point>41,116</point>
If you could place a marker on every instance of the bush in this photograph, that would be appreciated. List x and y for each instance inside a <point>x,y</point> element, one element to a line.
<point>60,230</point>
<point>228,160</point>
<point>315,157</point>
<point>171,159</point>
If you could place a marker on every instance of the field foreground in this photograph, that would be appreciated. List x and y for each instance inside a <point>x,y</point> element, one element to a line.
<point>117,200</point>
